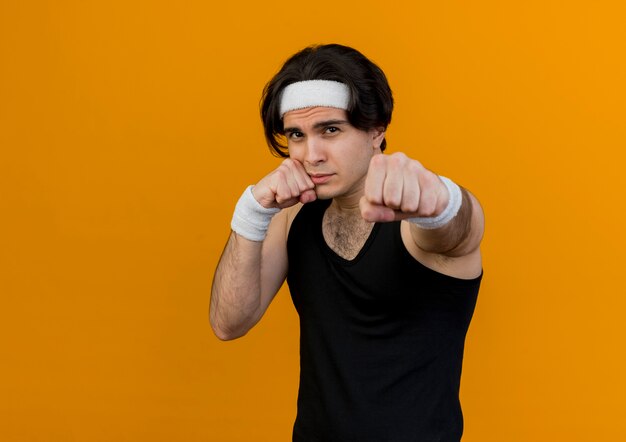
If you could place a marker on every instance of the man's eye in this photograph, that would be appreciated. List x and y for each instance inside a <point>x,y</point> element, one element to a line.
<point>293,135</point>
<point>332,129</point>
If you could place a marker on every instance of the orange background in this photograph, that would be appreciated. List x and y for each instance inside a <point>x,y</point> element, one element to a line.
<point>129,129</point>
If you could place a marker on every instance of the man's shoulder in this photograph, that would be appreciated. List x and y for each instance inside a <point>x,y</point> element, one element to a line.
<point>291,213</point>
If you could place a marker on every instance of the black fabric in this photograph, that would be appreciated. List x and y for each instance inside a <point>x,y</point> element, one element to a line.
<point>381,338</point>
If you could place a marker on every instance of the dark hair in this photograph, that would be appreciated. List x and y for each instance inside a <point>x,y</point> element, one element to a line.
<point>371,102</point>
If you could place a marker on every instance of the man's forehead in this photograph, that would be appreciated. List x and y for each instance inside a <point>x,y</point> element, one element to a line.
<point>312,115</point>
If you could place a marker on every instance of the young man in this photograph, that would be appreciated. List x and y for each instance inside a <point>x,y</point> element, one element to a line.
<point>381,256</point>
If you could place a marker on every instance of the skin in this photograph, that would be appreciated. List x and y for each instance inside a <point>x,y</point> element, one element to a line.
<point>331,159</point>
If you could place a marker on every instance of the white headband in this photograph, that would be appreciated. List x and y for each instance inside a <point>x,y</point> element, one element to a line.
<point>313,93</point>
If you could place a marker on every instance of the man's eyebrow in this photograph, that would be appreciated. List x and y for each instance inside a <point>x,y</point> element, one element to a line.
<point>318,125</point>
<point>327,123</point>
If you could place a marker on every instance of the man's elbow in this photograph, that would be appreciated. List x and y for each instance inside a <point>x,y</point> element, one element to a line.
<point>225,334</point>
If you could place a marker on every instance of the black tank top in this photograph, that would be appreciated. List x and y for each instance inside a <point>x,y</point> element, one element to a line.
<point>381,338</point>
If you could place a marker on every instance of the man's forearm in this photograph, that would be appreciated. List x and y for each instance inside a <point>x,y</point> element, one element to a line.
<point>460,236</point>
<point>236,290</point>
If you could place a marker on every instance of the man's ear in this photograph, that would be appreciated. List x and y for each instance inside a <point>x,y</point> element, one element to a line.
<point>378,135</point>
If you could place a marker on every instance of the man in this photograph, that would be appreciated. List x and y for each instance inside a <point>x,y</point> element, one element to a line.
<point>381,256</point>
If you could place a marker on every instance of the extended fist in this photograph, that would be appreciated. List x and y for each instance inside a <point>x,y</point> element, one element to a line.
<point>397,187</point>
<point>285,186</point>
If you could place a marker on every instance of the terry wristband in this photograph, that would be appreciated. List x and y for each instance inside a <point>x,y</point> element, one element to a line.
<point>454,204</point>
<point>250,218</point>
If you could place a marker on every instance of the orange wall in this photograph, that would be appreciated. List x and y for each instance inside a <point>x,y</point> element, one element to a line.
<point>129,129</point>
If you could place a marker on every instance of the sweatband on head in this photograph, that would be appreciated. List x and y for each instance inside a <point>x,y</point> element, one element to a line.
<point>250,219</point>
<point>312,93</point>
<point>454,204</point>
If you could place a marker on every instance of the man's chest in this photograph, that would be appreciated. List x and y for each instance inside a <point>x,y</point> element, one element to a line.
<point>345,235</point>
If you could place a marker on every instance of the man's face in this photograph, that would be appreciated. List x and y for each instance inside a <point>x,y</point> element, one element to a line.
<point>334,153</point>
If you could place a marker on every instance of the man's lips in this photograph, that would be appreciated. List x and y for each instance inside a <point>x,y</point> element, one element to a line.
<point>320,178</point>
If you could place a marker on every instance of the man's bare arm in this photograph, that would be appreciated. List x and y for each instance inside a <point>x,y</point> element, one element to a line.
<point>399,188</point>
<point>247,278</point>
<point>252,268</point>
<point>460,237</point>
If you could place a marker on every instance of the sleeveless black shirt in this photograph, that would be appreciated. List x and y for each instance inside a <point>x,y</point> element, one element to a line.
<point>381,338</point>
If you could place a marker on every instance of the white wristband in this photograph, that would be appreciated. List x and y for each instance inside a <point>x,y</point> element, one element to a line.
<point>250,218</point>
<point>454,204</point>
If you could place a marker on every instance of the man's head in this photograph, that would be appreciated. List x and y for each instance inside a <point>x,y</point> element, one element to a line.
<point>353,83</point>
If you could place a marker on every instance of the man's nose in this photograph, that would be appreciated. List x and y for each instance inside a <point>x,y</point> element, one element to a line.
<point>315,152</point>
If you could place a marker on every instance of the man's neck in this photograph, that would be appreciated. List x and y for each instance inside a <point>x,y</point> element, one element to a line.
<point>347,205</point>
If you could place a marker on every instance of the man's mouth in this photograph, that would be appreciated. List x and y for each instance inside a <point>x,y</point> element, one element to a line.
<point>320,178</point>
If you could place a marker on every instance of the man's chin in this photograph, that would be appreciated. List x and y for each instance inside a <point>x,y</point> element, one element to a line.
<point>323,194</point>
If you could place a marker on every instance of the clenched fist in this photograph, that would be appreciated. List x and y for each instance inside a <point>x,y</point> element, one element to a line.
<point>285,186</point>
<point>397,187</point>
